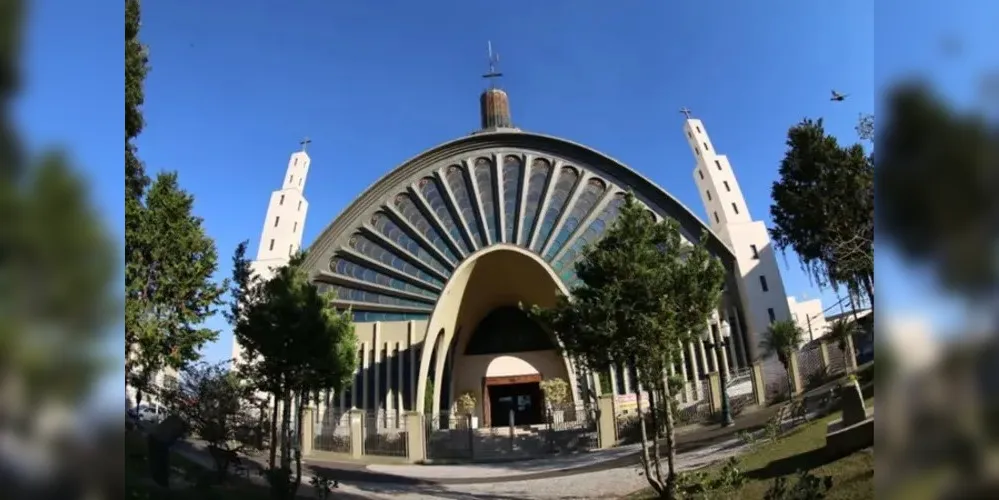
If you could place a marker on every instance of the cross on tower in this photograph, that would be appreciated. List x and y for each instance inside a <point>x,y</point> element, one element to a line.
<point>305,143</point>
<point>685,111</point>
<point>493,61</point>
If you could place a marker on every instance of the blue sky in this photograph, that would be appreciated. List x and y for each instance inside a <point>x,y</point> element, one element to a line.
<point>235,85</point>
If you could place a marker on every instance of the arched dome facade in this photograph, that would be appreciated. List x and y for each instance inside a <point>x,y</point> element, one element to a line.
<point>390,254</point>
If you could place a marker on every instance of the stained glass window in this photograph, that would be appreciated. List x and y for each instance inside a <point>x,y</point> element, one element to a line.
<point>357,295</point>
<point>396,234</point>
<point>592,234</point>
<point>508,329</point>
<point>584,203</point>
<point>463,198</point>
<point>435,198</point>
<point>512,171</point>
<point>407,207</point>
<point>540,168</point>
<point>484,181</point>
<point>361,272</point>
<point>563,187</point>
<point>365,246</point>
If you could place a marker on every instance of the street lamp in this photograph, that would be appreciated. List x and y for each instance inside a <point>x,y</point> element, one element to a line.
<point>724,332</point>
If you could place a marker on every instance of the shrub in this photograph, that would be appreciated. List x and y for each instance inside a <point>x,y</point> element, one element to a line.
<point>556,390</point>
<point>805,487</point>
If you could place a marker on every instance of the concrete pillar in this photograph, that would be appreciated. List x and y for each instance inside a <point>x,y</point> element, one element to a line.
<point>365,375</point>
<point>824,350</point>
<point>698,390</point>
<point>683,373</point>
<point>732,359</point>
<point>759,388</point>
<point>792,366</point>
<point>606,422</point>
<point>740,344</point>
<point>308,431</point>
<point>400,379</point>
<point>851,355</point>
<point>703,354</point>
<point>414,363</point>
<point>714,383</point>
<point>356,433</point>
<point>391,420</point>
<point>626,373</point>
<point>376,346</point>
<point>613,379</point>
<point>416,446</point>
<point>715,362</point>
<point>596,384</point>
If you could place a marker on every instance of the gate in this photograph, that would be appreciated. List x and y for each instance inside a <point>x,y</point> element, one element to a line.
<point>449,436</point>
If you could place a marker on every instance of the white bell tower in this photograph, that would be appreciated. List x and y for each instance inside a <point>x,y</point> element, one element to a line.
<point>284,223</point>
<point>761,287</point>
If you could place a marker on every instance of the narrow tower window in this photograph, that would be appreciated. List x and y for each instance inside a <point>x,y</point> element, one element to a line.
<point>706,147</point>
<point>700,173</point>
<point>735,208</point>
<point>276,220</point>
<point>300,204</point>
<point>698,129</point>
<point>272,245</point>
<point>756,252</point>
<point>772,314</point>
<point>708,192</point>
<point>291,178</point>
<point>294,227</point>
<point>718,164</point>
<point>281,201</point>
<point>690,135</point>
<point>728,189</point>
<point>291,249</point>
<point>763,284</point>
<point>716,217</point>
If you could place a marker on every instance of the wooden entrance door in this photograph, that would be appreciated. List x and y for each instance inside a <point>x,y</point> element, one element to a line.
<point>488,382</point>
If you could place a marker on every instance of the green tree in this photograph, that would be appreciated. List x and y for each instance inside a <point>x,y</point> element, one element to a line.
<point>293,342</point>
<point>783,338</point>
<point>57,264</point>
<point>644,292</point>
<point>216,404</point>
<point>936,181</point>
<point>173,290</point>
<point>840,330</point>
<point>136,67</point>
<point>823,208</point>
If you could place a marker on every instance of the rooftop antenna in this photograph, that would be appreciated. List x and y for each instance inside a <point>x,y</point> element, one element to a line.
<point>493,74</point>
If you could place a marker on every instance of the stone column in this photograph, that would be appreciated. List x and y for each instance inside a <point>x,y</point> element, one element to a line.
<point>792,365</point>
<point>391,420</point>
<point>626,373</point>
<point>400,379</point>
<point>596,384</point>
<point>365,375</point>
<point>606,425</point>
<point>308,431</point>
<point>759,387</point>
<point>698,390</point>
<point>704,357</point>
<point>683,373</point>
<point>356,433</point>
<point>824,351</point>
<point>737,333</point>
<point>731,343</point>
<point>613,379</point>
<point>376,346</point>
<point>715,362</point>
<point>714,382</point>
<point>416,446</point>
<point>414,364</point>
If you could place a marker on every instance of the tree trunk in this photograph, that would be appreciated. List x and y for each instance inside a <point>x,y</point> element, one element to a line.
<point>300,414</point>
<point>654,409</point>
<point>670,444</point>
<point>274,440</point>
<point>646,459</point>
<point>285,428</point>
<point>138,398</point>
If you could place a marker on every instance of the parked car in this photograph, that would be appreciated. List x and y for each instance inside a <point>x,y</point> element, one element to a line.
<point>147,413</point>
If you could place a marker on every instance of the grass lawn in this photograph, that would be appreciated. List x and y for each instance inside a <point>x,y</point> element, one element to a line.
<point>801,448</point>
<point>188,480</point>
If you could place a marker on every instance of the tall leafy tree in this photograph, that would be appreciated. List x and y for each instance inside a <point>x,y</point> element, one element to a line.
<point>136,67</point>
<point>174,290</point>
<point>782,339</point>
<point>644,292</point>
<point>823,208</point>
<point>936,180</point>
<point>293,341</point>
<point>57,263</point>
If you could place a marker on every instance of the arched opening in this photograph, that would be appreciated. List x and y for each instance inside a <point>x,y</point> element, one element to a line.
<point>493,349</point>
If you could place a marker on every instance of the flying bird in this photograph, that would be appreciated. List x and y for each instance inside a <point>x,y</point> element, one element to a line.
<point>836,96</point>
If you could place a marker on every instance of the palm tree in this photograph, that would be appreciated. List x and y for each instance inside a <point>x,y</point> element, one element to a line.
<point>783,338</point>
<point>840,330</point>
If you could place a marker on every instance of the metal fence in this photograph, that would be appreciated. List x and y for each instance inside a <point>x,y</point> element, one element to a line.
<point>381,440</point>
<point>837,359</point>
<point>448,436</point>
<point>332,432</point>
<point>811,368</point>
<point>571,427</point>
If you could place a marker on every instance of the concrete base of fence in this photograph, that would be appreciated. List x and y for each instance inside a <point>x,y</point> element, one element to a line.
<point>607,422</point>
<point>307,432</point>
<point>356,433</point>
<point>795,373</point>
<point>715,388</point>
<point>759,387</point>
<point>416,445</point>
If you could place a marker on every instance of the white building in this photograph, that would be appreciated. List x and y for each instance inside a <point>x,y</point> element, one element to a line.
<point>761,287</point>
<point>284,223</point>
<point>167,378</point>
<point>809,316</point>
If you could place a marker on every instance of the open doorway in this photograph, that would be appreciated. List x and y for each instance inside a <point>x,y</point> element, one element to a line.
<point>519,395</point>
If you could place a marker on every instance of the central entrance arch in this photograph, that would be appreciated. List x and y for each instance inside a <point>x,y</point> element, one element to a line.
<point>479,332</point>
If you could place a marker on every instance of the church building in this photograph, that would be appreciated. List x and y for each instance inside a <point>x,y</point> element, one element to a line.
<point>434,258</point>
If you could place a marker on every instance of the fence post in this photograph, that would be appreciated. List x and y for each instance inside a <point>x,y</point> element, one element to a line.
<point>792,366</point>
<point>356,433</point>
<point>759,387</point>
<point>714,384</point>
<point>606,425</point>
<point>824,349</point>
<point>307,431</point>
<point>416,447</point>
<point>851,355</point>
